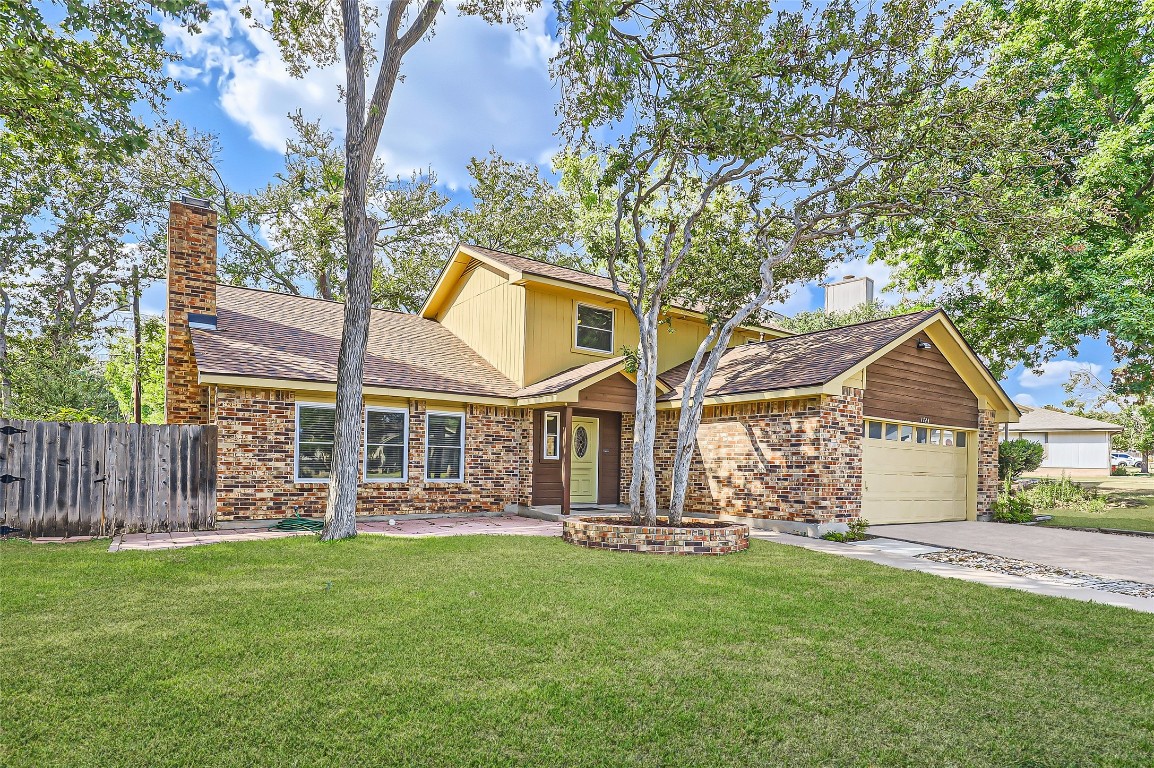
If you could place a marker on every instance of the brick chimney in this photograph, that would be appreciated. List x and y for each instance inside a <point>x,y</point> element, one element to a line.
<point>191,304</point>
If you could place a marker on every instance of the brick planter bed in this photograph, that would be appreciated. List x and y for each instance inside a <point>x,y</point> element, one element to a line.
<point>696,537</point>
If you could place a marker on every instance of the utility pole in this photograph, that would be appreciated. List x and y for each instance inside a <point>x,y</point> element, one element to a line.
<point>136,398</point>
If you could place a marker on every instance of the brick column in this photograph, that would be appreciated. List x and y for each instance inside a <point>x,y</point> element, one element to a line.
<point>987,460</point>
<point>191,289</point>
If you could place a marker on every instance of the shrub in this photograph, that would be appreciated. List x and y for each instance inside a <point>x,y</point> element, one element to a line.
<point>1018,456</point>
<point>1049,493</point>
<point>856,532</point>
<point>1012,508</point>
<point>1119,470</point>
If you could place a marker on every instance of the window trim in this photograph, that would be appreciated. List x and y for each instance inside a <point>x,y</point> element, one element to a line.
<point>425,471</point>
<point>297,441</point>
<point>612,328</point>
<point>545,436</point>
<point>404,478</point>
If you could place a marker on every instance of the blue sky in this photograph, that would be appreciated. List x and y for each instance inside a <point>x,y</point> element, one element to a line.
<point>470,88</point>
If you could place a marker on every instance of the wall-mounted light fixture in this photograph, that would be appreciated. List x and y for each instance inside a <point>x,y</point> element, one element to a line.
<point>923,344</point>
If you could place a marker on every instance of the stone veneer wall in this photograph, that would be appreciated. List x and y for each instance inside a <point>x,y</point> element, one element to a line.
<point>256,454</point>
<point>987,460</point>
<point>620,536</point>
<point>191,288</point>
<point>798,460</point>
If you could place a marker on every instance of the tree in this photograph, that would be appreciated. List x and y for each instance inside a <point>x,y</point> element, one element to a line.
<point>816,125</point>
<point>808,322</point>
<point>52,382</point>
<point>323,33</point>
<point>1095,399</point>
<point>517,211</point>
<point>120,371</point>
<point>1079,72</point>
<point>1018,456</point>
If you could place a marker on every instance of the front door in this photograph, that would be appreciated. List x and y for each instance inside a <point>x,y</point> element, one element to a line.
<point>583,467</point>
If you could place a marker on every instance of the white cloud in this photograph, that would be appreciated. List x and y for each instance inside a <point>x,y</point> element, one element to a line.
<point>470,87</point>
<point>1024,398</point>
<point>1055,373</point>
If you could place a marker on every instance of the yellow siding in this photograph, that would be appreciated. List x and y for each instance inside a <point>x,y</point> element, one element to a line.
<point>488,314</point>
<point>551,321</point>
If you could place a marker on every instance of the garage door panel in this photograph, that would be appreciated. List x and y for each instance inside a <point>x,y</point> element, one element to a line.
<point>905,482</point>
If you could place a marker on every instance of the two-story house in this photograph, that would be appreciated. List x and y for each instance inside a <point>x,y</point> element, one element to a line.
<point>508,390</point>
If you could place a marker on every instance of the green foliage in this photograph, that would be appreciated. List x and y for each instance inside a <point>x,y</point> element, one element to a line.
<point>808,322</point>
<point>1012,508</point>
<point>49,382</point>
<point>1064,494</point>
<point>856,532</point>
<point>1018,456</point>
<point>1079,74</point>
<point>120,371</point>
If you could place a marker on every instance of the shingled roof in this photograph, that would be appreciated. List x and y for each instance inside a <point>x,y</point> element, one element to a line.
<point>277,336</point>
<point>1047,420</point>
<point>805,360</point>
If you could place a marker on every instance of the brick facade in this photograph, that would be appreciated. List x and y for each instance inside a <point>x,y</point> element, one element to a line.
<point>191,288</point>
<point>987,460</point>
<point>795,460</point>
<point>256,462</point>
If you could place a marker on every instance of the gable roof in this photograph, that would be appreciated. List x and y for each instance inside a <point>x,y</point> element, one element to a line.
<point>521,266</point>
<point>562,381</point>
<point>1047,420</point>
<point>794,362</point>
<point>267,335</point>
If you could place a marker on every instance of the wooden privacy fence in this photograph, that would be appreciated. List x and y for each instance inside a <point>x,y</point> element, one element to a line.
<point>73,479</point>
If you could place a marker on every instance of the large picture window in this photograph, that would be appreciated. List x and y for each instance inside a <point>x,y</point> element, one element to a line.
<point>551,438</point>
<point>594,329</point>
<point>444,447</point>
<point>386,444</point>
<point>314,441</point>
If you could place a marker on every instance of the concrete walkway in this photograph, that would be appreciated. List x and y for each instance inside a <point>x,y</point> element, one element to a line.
<point>1103,554</point>
<point>901,554</point>
<point>508,525</point>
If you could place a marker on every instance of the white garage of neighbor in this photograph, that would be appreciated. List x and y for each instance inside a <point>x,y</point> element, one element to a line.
<point>1074,445</point>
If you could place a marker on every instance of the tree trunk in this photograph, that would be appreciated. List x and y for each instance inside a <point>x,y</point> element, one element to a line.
<point>643,484</point>
<point>5,382</point>
<point>137,405</point>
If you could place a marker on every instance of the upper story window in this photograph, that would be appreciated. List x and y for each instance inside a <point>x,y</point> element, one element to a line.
<point>316,425</point>
<point>594,329</point>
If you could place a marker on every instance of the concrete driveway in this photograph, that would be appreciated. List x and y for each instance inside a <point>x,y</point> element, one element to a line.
<point>1102,554</point>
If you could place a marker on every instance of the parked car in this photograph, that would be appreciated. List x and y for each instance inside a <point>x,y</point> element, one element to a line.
<point>1119,459</point>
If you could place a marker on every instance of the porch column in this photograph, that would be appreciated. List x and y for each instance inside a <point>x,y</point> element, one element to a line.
<point>566,457</point>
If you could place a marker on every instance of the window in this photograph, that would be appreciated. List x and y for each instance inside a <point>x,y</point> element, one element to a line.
<point>891,431</point>
<point>315,427</point>
<point>907,433</point>
<point>935,437</point>
<point>875,430</point>
<point>594,329</point>
<point>923,435</point>
<point>386,444</point>
<point>961,439</point>
<point>551,440</point>
<point>444,446</point>
<point>948,437</point>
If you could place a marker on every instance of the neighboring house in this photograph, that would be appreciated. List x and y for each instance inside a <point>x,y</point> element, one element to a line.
<point>508,390</point>
<point>1074,445</point>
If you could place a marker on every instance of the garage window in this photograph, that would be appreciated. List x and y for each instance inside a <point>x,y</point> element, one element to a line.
<point>935,437</point>
<point>875,430</point>
<point>907,433</point>
<point>961,439</point>
<point>923,435</point>
<point>891,431</point>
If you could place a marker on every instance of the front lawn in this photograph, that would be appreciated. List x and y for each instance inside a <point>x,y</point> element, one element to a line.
<point>1130,499</point>
<point>478,651</point>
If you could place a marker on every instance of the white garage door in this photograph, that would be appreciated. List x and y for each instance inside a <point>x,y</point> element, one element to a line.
<point>914,474</point>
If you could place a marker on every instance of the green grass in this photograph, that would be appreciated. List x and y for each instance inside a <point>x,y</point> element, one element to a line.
<point>478,651</point>
<point>1131,505</point>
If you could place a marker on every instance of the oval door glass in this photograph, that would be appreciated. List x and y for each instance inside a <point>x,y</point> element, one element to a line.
<point>580,442</point>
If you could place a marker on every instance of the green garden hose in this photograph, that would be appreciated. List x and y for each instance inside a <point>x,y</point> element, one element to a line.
<point>298,523</point>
